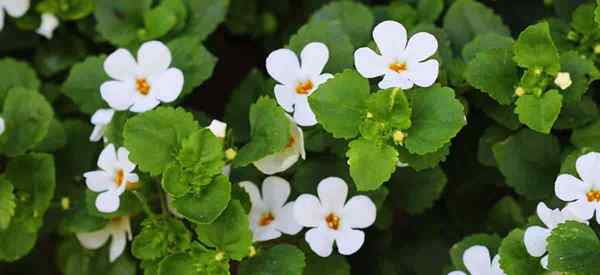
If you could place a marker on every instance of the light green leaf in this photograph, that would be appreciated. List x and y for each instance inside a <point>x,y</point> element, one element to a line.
<point>83,84</point>
<point>16,74</point>
<point>494,73</point>
<point>492,242</point>
<point>202,152</point>
<point>205,206</point>
<point>120,22</point>
<point>574,247</point>
<point>514,258</point>
<point>588,136</point>
<point>363,155</point>
<point>204,17</point>
<point>355,18</point>
<point>158,22</point>
<point>485,42</point>
<point>194,60</point>
<point>279,259</point>
<point>67,9</point>
<point>535,49</point>
<point>332,265</point>
<point>539,113</point>
<point>159,237</point>
<point>430,10</point>
<point>390,107</point>
<point>7,203</point>
<point>415,192</point>
<point>194,263</point>
<point>421,162</point>
<point>582,20</point>
<point>55,138</point>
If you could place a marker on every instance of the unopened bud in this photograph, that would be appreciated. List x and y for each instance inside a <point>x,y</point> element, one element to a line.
<point>219,256</point>
<point>65,202</point>
<point>399,137</point>
<point>230,154</point>
<point>597,49</point>
<point>369,115</point>
<point>563,80</point>
<point>252,251</point>
<point>519,91</point>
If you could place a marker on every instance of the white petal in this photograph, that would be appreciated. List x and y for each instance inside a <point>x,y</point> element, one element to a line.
<point>588,167</point>
<point>118,94</point>
<point>93,240</point>
<point>546,215</point>
<point>102,116</point>
<point>423,74</point>
<point>285,221</point>
<point>283,66</point>
<point>349,241</point>
<point>275,191</point>
<point>314,57</point>
<point>153,57</point>
<point>535,240</point>
<point>227,170</point>
<point>320,241</point>
<point>308,211</point>
<point>218,128</point>
<point>262,234</point>
<point>120,65</point>
<point>48,25</point>
<point>108,158</point>
<point>299,136</point>
<point>252,191</point>
<point>146,104</point>
<point>1,19</point>
<point>368,63</point>
<point>457,273</point>
<point>285,96</point>
<point>544,262</point>
<point>359,212</point>
<point>332,194</point>
<point>496,269</point>
<point>395,80</point>
<point>124,162</point>
<point>169,85</point>
<point>97,133</point>
<point>421,46</point>
<point>303,115</point>
<point>108,202</point>
<point>117,245</point>
<point>320,80</point>
<point>98,181</point>
<point>569,188</point>
<point>16,8</point>
<point>2,126</point>
<point>390,37</point>
<point>582,209</point>
<point>132,178</point>
<point>477,259</point>
<point>278,162</point>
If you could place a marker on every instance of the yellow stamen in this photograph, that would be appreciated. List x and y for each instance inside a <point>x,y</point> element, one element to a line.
<point>333,221</point>
<point>266,219</point>
<point>119,177</point>
<point>304,88</point>
<point>142,86</point>
<point>593,196</point>
<point>398,67</point>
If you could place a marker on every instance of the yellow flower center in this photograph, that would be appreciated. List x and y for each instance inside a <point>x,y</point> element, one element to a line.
<point>119,177</point>
<point>290,143</point>
<point>398,67</point>
<point>142,86</point>
<point>266,219</point>
<point>593,196</point>
<point>304,88</point>
<point>333,221</point>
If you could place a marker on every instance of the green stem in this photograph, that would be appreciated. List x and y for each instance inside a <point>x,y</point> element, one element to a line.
<point>144,203</point>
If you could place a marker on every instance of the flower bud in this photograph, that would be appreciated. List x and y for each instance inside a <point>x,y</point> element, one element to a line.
<point>563,80</point>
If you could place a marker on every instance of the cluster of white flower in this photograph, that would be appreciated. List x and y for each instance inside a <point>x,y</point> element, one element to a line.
<point>18,8</point>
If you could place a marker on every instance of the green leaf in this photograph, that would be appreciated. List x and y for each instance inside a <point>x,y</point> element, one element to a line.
<point>206,15</point>
<point>78,219</point>
<point>484,43</point>
<point>588,136</point>
<point>514,258</point>
<point>416,192</point>
<point>539,113</point>
<point>279,259</point>
<point>160,237</point>
<point>331,34</point>
<point>467,18</point>
<point>437,117</point>
<point>27,115</point>
<point>193,59</point>
<point>154,138</point>
<point>205,206</point>
<point>355,18</point>
<point>430,10</point>
<point>129,205</point>
<point>529,161</point>
<point>583,19</point>
<point>492,242</point>
<point>270,132</point>
<point>121,22</point>
<point>16,74</point>
<point>67,9</point>
<point>158,22</point>
<point>421,162</point>
<point>55,138</point>
<point>574,247</point>
<point>490,137</point>
<point>578,114</point>
<point>76,260</point>
<point>390,107</point>
<point>202,151</point>
<point>332,265</point>
<point>340,104</point>
<point>582,72</point>
<point>229,233</point>
<point>83,84</point>
<point>494,73</point>
<point>363,155</point>
<point>7,203</point>
<point>505,215</point>
<point>195,263</point>
<point>535,49</point>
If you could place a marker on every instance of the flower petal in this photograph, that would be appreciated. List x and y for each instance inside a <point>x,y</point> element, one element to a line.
<point>423,74</point>
<point>546,215</point>
<point>496,269</point>
<point>349,241</point>
<point>2,126</point>
<point>588,167</point>
<point>477,260</point>
<point>535,240</point>
<point>283,66</point>
<point>285,221</point>
<point>153,57</point>
<point>118,94</point>
<point>308,211</point>
<point>320,80</point>
<point>102,116</point>
<point>278,162</point>
<point>124,162</point>
<point>98,181</point>
<point>117,245</point>
<point>299,136</point>
<point>108,202</point>
<point>314,57</point>
<point>390,37</point>
<point>303,114</point>
<point>1,19</point>
<point>457,273</point>
<point>252,191</point>
<point>275,192</point>
<point>16,8</point>
<point>368,63</point>
<point>218,128</point>
<point>169,85</point>
<point>569,188</point>
<point>97,133</point>
<point>320,241</point>
<point>133,178</point>
<point>359,212</point>
<point>395,80</point>
<point>265,233</point>
<point>146,104</point>
<point>544,262</point>
<point>582,209</point>
<point>285,97</point>
<point>108,158</point>
<point>332,194</point>
<point>93,240</point>
<point>120,65</point>
<point>421,46</point>
<point>49,24</point>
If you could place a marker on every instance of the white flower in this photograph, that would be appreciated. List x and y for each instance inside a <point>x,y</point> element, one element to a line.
<point>284,159</point>
<point>477,261</point>
<point>218,128</point>
<point>140,86</point>
<point>2,126</point>
<point>113,179</point>
<point>535,236</point>
<point>100,120</point>
<point>49,24</point>
<point>563,80</point>
<point>402,65</point>
<point>270,214</point>
<point>583,195</point>
<point>297,82</point>
<point>14,8</point>
<point>120,230</point>
<point>334,219</point>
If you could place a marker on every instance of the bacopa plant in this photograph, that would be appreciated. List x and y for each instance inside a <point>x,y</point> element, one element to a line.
<point>299,137</point>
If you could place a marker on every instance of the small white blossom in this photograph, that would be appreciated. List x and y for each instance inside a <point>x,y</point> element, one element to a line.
<point>284,159</point>
<point>402,64</point>
<point>582,195</point>
<point>2,126</point>
<point>140,86</point>
<point>49,24</point>
<point>333,219</point>
<point>14,8</point>
<point>297,82</point>
<point>113,178</point>
<point>270,215</point>
<point>477,261</point>
<point>535,236</point>
<point>101,119</point>
<point>218,128</point>
<point>563,80</point>
<point>118,228</point>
